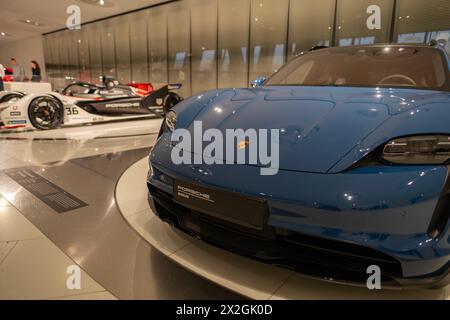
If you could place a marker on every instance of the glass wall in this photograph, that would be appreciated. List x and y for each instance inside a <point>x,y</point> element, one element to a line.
<point>138,46</point>
<point>179,46</point>
<point>233,41</point>
<point>422,21</point>
<point>83,54</point>
<point>63,50</point>
<point>310,24</point>
<point>108,47</point>
<point>158,46</point>
<point>208,44</point>
<point>122,41</point>
<point>95,51</point>
<point>204,44</point>
<point>363,22</point>
<point>268,34</point>
<point>51,61</point>
<point>73,56</point>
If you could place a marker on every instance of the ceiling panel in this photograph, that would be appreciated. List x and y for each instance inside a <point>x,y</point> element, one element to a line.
<point>52,14</point>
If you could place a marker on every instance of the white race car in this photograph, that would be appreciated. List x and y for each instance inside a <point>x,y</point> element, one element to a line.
<point>83,103</point>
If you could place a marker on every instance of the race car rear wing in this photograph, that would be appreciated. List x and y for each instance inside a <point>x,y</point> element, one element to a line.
<point>174,86</point>
<point>159,97</point>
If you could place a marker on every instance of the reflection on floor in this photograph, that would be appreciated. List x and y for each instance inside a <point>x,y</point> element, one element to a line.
<point>248,277</point>
<point>37,244</point>
<point>21,149</point>
<point>89,132</point>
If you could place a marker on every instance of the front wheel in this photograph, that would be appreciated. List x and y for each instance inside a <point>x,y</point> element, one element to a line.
<point>46,113</point>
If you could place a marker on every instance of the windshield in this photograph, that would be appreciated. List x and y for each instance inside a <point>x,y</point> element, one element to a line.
<point>392,66</point>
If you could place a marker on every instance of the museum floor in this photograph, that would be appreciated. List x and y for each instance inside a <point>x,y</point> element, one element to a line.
<point>104,225</point>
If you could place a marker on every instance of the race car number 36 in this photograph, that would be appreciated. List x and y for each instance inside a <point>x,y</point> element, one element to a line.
<point>72,111</point>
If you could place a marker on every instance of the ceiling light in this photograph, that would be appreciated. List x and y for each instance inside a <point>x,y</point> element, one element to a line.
<point>32,22</point>
<point>98,3</point>
<point>2,34</point>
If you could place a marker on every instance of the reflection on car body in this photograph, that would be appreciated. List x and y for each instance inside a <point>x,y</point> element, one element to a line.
<point>363,182</point>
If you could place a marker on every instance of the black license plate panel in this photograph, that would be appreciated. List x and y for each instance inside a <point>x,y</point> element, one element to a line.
<point>246,211</point>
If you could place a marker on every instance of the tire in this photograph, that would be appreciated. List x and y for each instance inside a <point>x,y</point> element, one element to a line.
<point>11,96</point>
<point>46,113</point>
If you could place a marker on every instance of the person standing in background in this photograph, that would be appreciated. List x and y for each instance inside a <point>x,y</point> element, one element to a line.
<point>35,72</point>
<point>2,74</point>
<point>18,71</point>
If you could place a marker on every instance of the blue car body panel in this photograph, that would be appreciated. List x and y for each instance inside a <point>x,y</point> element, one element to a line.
<point>315,121</point>
<point>324,132</point>
<point>388,209</point>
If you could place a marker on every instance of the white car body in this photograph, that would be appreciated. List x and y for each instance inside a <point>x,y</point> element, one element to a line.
<point>14,113</point>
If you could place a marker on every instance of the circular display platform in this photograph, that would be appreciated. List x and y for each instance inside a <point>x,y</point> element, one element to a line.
<point>245,276</point>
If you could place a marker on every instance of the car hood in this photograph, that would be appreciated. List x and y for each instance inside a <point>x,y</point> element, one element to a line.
<point>318,126</point>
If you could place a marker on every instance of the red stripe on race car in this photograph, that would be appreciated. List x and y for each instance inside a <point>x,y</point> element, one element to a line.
<point>18,126</point>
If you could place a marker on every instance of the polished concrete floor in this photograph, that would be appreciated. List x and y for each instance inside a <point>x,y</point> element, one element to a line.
<point>116,261</point>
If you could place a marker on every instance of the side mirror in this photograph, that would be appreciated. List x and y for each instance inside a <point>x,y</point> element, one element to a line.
<point>439,43</point>
<point>258,82</point>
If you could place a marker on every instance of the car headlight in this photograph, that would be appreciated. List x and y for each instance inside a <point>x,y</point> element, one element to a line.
<point>429,149</point>
<point>171,120</point>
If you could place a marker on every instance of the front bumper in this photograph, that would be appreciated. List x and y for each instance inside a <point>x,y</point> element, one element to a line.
<point>314,257</point>
<point>329,226</point>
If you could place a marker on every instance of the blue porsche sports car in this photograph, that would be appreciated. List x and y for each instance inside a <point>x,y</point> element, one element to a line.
<point>360,145</point>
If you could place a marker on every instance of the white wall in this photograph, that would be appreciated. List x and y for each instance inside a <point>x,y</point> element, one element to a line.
<point>24,51</point>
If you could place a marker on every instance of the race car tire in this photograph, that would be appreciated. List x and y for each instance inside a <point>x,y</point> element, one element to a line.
<point>170,100</point>
<point>46,113</point>
<point>11,96</point>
